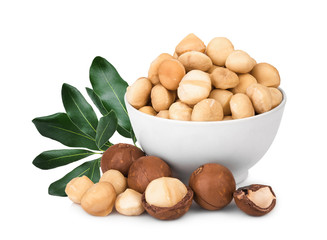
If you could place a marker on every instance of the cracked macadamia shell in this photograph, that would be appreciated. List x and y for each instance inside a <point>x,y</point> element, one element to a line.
<point>170,213</point>
<point>255,199</point>
<point>213,186</point>
<point>120,157</point>
<point>146,169</point>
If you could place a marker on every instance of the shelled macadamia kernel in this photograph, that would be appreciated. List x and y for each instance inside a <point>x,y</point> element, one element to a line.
<point>179,86</point>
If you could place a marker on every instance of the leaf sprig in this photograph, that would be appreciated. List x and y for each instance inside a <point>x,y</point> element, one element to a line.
<point>80,127</point>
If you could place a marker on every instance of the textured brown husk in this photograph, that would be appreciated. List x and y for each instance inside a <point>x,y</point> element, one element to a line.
<point>170,213</point>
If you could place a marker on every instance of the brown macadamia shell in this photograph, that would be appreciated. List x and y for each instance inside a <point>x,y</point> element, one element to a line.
<point>213,186</point>
<point>120,157</point>
<point>146,169</point>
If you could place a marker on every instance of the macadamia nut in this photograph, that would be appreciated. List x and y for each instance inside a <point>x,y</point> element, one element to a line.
<point>266,75</point>
<point>163,114</point>
<point>129,203</point>
<point>195,60</point>
<point>246,80</point>
<point>276,96</point>
<point>240,62</point>
<point>165,192</point>
<point>260,96</point>
<point>194,87</point>
<point>223,97</point>
<point>219,49</point>
<point>148,110</point>
<point>241,106</point>
<point>153,70</point>
<point>171,73</point>
<point>116,178</point>
<point>161,98</point>
<point>76,188</point>
<point>139,92</point>
<point>180,111</point>
<point>223,78</point>
<point>190,43</point>
<point>226,118</point>
<point>207,110</point>
<point>99,199</point>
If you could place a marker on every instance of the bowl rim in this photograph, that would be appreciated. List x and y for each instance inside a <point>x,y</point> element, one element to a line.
<point>279,107</point>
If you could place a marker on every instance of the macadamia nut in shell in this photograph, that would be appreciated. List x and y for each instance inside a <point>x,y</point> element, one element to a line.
<point>146,169</point>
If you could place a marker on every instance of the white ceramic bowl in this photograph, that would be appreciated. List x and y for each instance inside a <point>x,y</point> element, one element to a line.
<point>185,145</point>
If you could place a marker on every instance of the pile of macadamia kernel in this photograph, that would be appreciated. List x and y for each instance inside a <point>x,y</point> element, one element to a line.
<point>206,83</point>
<point>133,183</point>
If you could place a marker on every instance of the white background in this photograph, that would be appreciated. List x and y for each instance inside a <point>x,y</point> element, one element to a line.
<point>46,43</point>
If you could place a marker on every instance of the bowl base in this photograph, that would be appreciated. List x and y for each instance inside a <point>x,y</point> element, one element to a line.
<point>240,177</point>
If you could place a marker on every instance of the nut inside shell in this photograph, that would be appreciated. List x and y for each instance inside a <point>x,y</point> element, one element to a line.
<point>170,213</point>
<point>255,199</point>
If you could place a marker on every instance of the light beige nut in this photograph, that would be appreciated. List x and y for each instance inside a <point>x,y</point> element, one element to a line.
<point>154,66</point>
<point>226,118</point>
<point>116,178</point>
<point>129,203</point>
<point>175,55</point>
<point>148,110</point>
<point>218,50</point>
<point>99,200</point>
<point>161,98</point>
<point>266,74</point>
<point>190,43</point>
<point>163,114</point>
<point>76,188</point>
<point>241,106</point>
<point>195,60</point>
<point>213,67</point>
<point>194,87</point>
<point>138,93</point>
<point>180,111</point>
<point>240,62</point>
<point>260,96</point>
<point>246,80</point>
<point>276,96</point>
<point>224,78</point>
<point>170,73</point>
<point>207,110</point>
<point>223,97</point>
<point>165,192</point>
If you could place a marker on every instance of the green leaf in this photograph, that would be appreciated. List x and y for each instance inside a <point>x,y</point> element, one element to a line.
<point>60,128</point>
<point>106,128</point>
<point>91,169</point>
<point>110,88</point>
<point>56,158</point>
<point>97,101</point>
<point>79,110</point>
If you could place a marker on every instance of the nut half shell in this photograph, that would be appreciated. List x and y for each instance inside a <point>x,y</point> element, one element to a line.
<point>170,213</point>
<point>255,199</point>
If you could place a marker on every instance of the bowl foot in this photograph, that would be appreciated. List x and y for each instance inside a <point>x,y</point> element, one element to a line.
<point>240,176</point>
